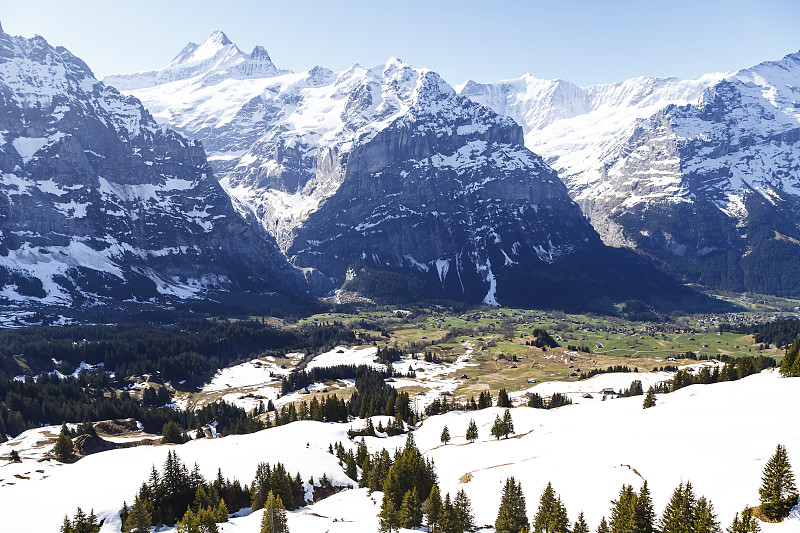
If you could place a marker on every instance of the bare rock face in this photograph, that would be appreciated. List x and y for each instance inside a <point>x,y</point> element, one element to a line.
<point>99,204</point>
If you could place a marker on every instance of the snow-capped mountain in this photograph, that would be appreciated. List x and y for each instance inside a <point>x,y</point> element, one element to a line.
<point>386,168</point>
<point>99,203</point>
<point>217,54</point>
<point>700,174</point>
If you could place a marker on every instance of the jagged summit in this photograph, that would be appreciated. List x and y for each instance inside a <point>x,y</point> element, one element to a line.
<point>259,52</point>
<point>213,60</point>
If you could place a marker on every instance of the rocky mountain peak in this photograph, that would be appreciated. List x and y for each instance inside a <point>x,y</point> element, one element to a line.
<point>259,53</point>
<point>99,205</point>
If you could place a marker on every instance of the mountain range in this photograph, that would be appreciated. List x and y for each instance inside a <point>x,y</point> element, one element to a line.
<point>700,175</point>
<point>223,174</point>
<point>386,181</point>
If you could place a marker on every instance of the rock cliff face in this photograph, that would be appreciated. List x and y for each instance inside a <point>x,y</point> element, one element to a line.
<point>100,204</point>
<point>701,175</point>
<point>386,180</point>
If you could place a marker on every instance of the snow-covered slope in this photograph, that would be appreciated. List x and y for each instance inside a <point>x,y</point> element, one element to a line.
<point>717,436</point>
<point>98,203</point>
<point>386,168</point>
<point>696,173</point>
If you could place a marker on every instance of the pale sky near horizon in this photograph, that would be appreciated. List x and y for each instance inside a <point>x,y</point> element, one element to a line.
<point>584,41</point>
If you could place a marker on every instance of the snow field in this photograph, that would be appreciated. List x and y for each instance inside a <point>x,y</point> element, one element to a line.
<point>718,436</point>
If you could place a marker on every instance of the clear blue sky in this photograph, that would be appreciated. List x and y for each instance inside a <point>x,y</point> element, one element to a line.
<point>584,41</point>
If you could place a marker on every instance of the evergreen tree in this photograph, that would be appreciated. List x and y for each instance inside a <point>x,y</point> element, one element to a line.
<point>139,517</point>
<point>645,516</point>
<point>448,520</point>
<point>512,515</point>
<point>502,399</point>
<point>82,523</point>
<point>445,435</point>
<point>463,510</point>
<point>649,399</point>
<point>410,513</point>
<point>472,431</point>
<point>602,527</point>
<point>623,511</point>
<point>389,517</point>
<point>747,524</point>
<point>551,516</point>
<point>63,449</point>
<point>790,366</point>
<point>704,519</point>
<point>580,525</point>
<point>547,501</point>
<point>677,517</point>
<point>497,427</point>
<point>274,519</point>
<point>172,434</point>
<point>434,507</point>
<point>778,491</point>
<point>508,424</point>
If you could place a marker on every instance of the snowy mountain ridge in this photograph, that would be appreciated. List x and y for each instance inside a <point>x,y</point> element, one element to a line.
<point>388,168</point>
<point>215,54</point>
<point>690,172</point>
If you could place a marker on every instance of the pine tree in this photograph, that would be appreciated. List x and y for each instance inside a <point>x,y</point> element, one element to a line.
<point>602,527</point>
<point>434,507</point>
<point>623,511</point>
<point>445,435</point>
<point>551,516</point>
<point>172,434</point>
<point>502,399</point>
<point>448,520</point>
<point>472,431</point>
<point>778,491</point>
<point>544,514</point>
<point>463,510</point>
<point>508,424</point>
<point>410,513</point>
<point>645,516</point>
<point>512,515</point>
<point>684,513</point>
<point>649,399</point>
<point>747,524</point>
<point>274,519</point>
<point>63,449</point>
<point>704,518</point>
<point>789,365</point>
<point>559,521</point>
<point>139,517</point>
<point>390,519</point>
<point>497,428</point>
<point>580,525</point>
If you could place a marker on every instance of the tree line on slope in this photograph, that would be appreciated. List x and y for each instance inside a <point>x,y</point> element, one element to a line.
<point>185,351</point>
<point>52,400</point>
<point>781,332</point>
